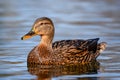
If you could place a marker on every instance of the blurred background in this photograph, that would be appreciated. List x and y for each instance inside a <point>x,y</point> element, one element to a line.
<point>73,19</point>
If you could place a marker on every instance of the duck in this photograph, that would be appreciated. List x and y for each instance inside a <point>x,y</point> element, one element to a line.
<point>47,52</point>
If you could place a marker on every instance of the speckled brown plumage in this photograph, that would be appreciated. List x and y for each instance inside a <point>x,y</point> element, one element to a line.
<point>60,52</point>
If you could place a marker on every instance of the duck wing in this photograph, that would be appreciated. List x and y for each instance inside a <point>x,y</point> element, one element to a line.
<point>75,46</point>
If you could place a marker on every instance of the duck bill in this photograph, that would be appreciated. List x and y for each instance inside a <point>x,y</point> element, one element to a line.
<point>28,35</point>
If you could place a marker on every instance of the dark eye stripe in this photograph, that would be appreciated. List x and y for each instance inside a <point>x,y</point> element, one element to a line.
<point>41,23</point>
<point>44,23</point>
<point>38,24</point>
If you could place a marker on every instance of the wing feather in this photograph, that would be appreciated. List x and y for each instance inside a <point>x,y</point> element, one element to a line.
<point>75,46</point>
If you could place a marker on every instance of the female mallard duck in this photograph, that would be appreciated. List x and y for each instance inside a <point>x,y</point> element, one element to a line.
<point>60,52</point>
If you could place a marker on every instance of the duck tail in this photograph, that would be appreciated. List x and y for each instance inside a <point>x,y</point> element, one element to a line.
<point>100,48</point>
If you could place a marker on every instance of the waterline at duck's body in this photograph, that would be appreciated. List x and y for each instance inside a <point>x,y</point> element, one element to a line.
<point>60,52</point>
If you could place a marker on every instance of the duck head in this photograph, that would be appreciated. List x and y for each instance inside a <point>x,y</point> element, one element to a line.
<point>43,27</point>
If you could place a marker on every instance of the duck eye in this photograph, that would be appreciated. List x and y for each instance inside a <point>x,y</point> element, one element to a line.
<point>41,24</point>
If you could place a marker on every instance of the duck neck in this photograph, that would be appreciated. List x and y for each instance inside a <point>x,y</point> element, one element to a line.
<point>45,48</point>
<point>47,41</point>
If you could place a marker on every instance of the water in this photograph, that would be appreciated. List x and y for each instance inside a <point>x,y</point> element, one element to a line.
<point>81,19</point>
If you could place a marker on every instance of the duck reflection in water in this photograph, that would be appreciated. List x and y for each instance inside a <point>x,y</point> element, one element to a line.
<point>47,72</point>
<point>60,52</point>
